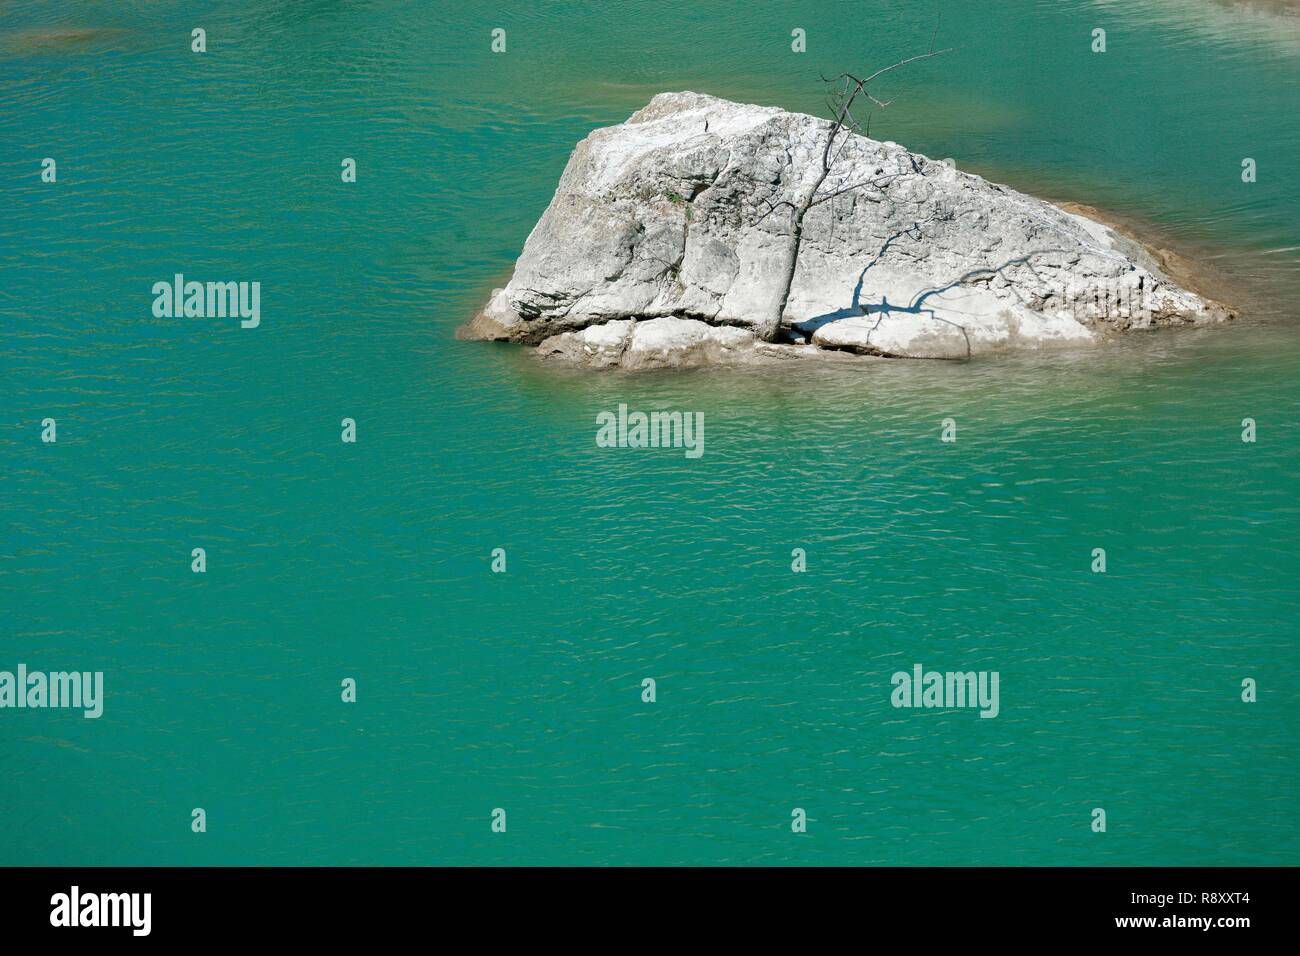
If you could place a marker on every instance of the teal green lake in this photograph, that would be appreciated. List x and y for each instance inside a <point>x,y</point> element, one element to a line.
<point>522,690</point>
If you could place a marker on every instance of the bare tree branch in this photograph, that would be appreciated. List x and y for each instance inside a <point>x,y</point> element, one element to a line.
<point>858,185</point>
<point>839,102</point>
<point>774,208</point>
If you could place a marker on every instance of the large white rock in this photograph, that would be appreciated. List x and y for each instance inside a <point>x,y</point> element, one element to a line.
<point>667,216</point>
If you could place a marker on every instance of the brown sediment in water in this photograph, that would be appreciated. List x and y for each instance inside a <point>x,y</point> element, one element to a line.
<point>60,40</point>
<point>478,327</point>
<point>1274,7</point>
<point>1184,268</point>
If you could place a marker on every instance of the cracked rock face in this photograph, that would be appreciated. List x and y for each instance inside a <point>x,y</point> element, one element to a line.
<point>664,243</point>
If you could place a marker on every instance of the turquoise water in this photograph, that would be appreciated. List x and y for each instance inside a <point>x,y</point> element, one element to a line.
<point>523,690</point>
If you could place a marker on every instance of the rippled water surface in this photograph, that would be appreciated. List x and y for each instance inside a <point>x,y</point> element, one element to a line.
<point>522,690</point>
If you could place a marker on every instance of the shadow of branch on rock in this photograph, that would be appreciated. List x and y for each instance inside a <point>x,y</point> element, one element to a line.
<point>885,309</point>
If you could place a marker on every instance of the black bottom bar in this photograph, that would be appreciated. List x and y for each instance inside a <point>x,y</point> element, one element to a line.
<point>337,905</point>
